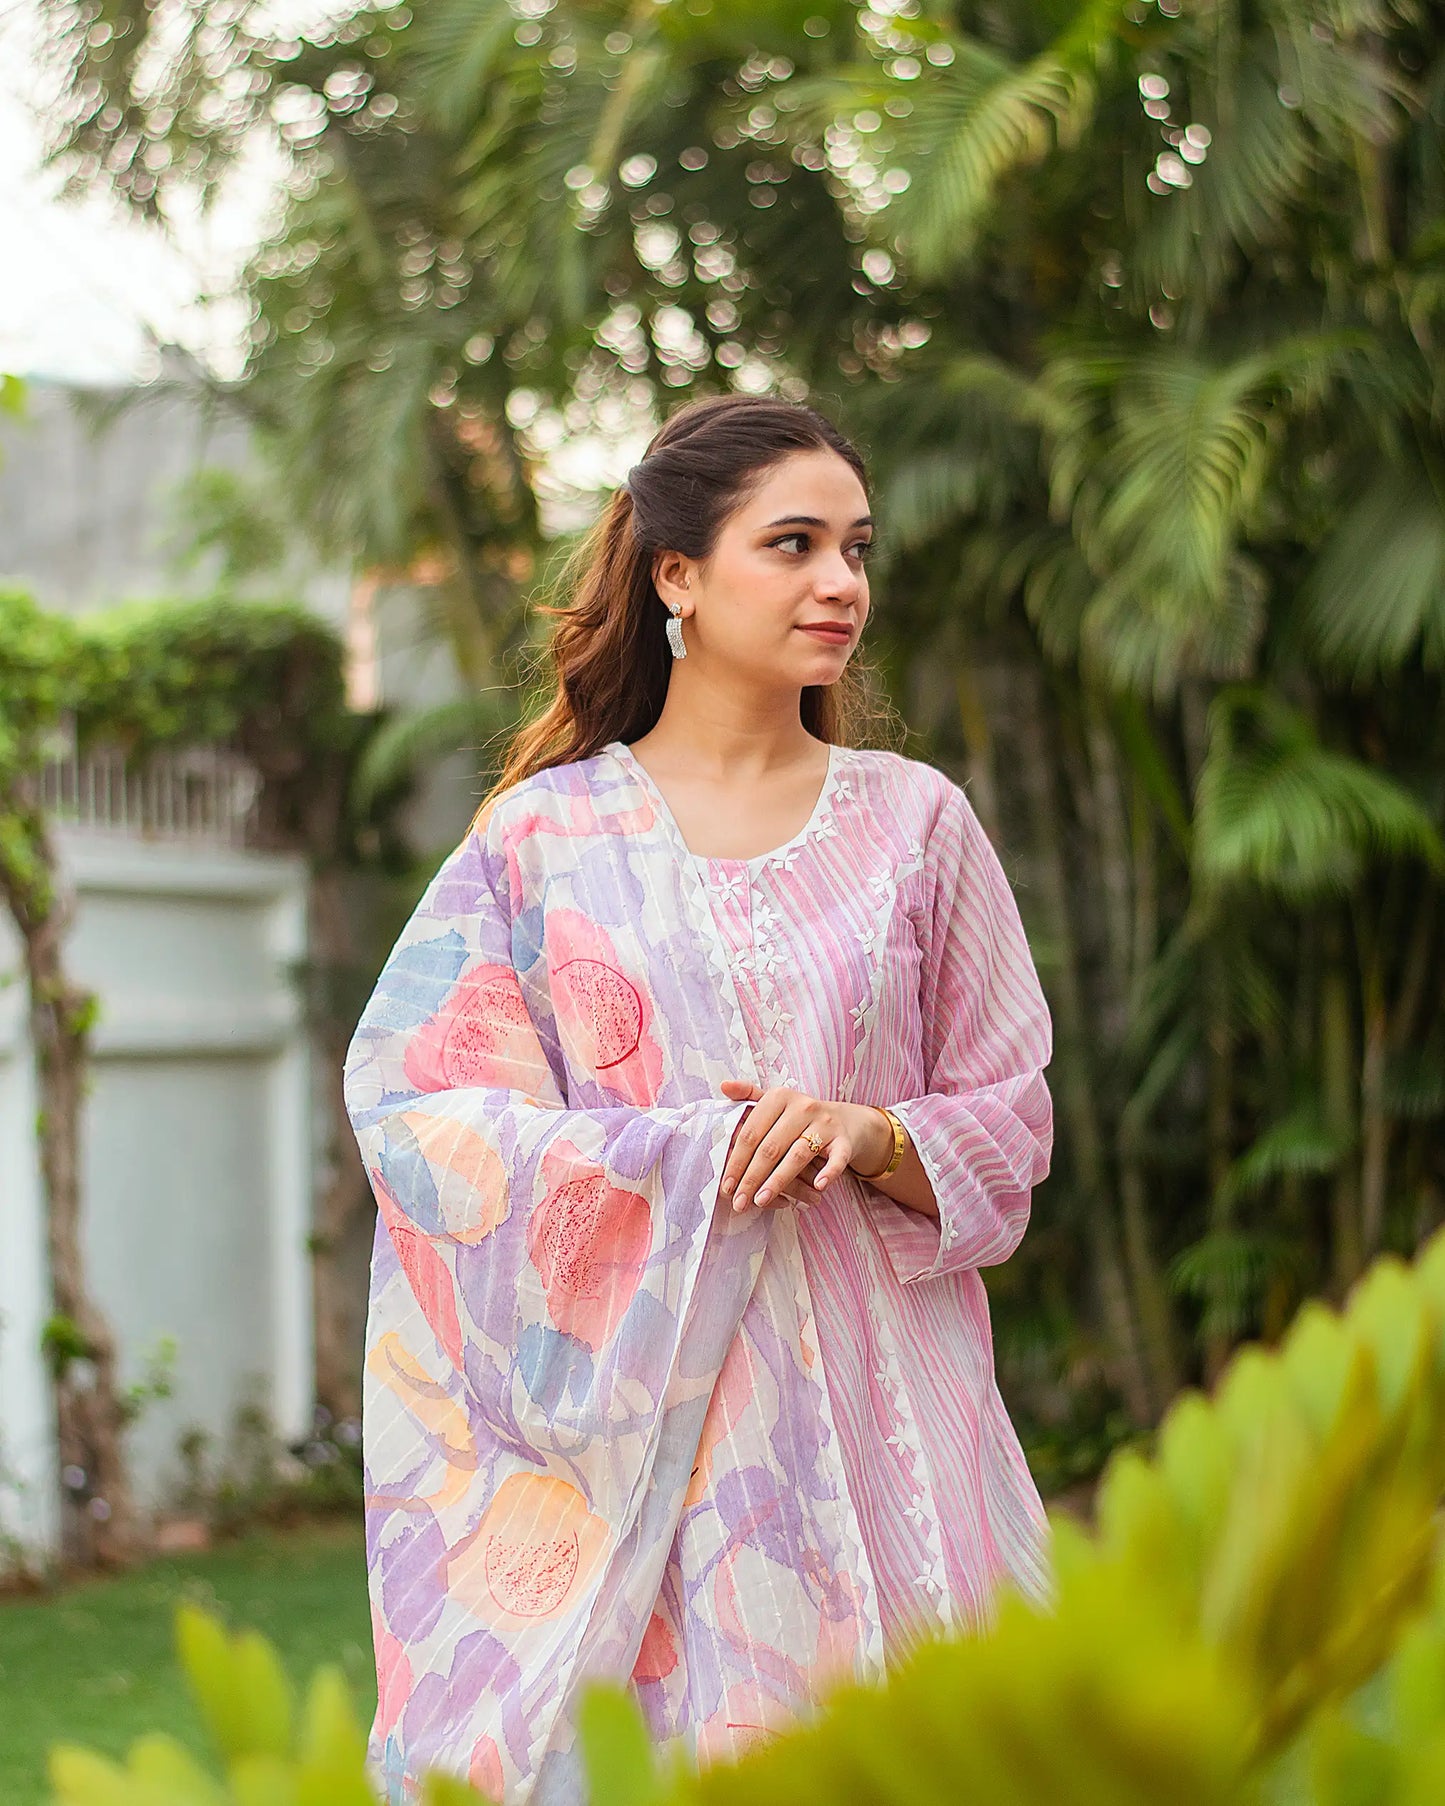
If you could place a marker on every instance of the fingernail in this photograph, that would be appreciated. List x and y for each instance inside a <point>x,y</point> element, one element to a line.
<point>727,1188</point>
<point>740,1203</point>
<point>819,1182</point>
<point>764,1195</point>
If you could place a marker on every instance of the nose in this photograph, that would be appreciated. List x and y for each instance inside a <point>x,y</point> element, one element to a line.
<point>837,580</point>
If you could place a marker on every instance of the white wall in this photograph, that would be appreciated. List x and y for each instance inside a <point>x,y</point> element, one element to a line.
<point>198,1154</point>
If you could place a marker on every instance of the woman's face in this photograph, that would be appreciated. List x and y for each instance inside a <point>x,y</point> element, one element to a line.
<point>783,596</point>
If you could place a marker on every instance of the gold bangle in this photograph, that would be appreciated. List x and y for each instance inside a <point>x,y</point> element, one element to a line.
<point>900,1141</point>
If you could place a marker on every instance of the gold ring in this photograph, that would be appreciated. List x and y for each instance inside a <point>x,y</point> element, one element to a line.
<point>815,1147</point>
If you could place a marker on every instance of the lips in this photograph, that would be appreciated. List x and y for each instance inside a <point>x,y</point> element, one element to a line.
<point>834,634</point>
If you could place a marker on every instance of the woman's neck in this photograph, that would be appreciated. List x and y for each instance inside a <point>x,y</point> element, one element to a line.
<point>712,736</point>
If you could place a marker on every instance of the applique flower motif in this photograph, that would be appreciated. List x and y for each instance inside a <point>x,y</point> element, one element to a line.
<point>727,887</point>
<point>535,1550</point>
<point>765,958</point>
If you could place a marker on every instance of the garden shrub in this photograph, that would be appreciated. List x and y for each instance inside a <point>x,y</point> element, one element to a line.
<point>1207,1643</point>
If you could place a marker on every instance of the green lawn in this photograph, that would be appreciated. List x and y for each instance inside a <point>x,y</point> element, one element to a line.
<point>95,1664</point>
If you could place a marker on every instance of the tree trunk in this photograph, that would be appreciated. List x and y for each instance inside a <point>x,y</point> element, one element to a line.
<point>99,1523</point>
<point>345,1195</point>
<point>1340,1086</point>
<point>1072,1075</point>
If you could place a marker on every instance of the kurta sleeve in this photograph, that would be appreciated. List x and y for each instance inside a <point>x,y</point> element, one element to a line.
<point>983,1127</point>
<point>552,1250</point>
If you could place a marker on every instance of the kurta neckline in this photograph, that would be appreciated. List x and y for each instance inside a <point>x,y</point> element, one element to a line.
<point>821,807</point>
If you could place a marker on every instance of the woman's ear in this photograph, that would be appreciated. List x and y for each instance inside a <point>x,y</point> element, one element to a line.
<point>671,578</point>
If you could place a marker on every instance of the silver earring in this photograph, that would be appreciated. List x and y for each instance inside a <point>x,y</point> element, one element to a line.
<point>674,631</point>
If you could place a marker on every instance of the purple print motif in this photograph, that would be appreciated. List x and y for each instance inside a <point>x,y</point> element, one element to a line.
<point>610,1427</point>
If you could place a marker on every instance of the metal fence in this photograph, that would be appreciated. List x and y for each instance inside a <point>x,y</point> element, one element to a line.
<point>205,794</point>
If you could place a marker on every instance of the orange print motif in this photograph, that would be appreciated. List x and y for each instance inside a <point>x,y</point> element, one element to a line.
<point>481,1035</point>
<point>534,1554</point>
<point>731,1396</point>
<point>589,1241</point>
<point>472,1210</point>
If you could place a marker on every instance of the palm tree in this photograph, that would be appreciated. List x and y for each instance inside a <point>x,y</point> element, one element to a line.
<point>1137,309</point>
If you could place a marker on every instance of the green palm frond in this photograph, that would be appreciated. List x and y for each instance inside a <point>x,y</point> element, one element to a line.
<point>962,438</point>
<point>1229,1271</point>
<point>1300,1145</point>
<point>1277,112</point>
<point>1377,593</point>
<point>453,52</point>
<point>1414,1087</point>
<point>1160,471</point>
<point>967,126</point>
<point>972,123</point>
<point>408,743</point>
<point>1277,809</point>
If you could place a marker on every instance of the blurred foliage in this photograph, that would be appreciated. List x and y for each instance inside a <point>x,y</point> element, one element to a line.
<point>257,1477</point>
<point>1262,1600</point>
<point>1137,309</point>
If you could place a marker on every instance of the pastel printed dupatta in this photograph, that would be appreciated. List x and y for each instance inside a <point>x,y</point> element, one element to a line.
<point>557,1298</point>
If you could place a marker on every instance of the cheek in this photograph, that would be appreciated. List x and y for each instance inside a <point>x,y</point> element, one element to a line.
<point>753,613</point>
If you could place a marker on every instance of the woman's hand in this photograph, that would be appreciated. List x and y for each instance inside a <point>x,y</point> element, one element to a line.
<point>769,1158</point>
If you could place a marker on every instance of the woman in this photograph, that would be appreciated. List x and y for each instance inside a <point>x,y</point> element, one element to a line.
<point>705,1077</point>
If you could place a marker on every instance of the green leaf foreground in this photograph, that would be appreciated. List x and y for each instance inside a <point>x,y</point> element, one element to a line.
<point>1278,1550</point>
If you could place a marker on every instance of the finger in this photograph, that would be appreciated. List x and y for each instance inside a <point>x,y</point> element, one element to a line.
<point>755,1125</point>
<point>840,1152</point>
<point>793,1163</point>
<point>740,1089</point>
<point>801,1188</point>
<point>769,1151</point>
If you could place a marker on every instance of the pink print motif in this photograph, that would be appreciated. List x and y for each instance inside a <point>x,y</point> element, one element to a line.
<point>613,1004</point>
<point>482,1035</point>
<point>604,1014</point>
<point>485,1769</point>
<point>427,1273</point>
<point>393,1675</point>
<point>657,1657</point>
<point>589,1242</point>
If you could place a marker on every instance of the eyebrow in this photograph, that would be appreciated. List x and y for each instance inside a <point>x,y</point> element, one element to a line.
<point>812,520</point>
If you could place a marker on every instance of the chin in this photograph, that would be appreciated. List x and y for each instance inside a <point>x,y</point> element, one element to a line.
<point>825,668</point>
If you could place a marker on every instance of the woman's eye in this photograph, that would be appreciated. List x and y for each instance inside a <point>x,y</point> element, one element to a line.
<point>800,540</point>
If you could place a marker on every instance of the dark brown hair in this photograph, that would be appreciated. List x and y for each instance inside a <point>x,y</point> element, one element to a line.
<point>608,647</point>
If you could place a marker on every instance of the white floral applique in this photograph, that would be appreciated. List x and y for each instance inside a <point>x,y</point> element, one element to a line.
<point>922,1511</point>
<point>727,886</point>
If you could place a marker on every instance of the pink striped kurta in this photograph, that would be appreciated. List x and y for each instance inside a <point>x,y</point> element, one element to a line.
<point>611,1428</point>
<point>878,956</point>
